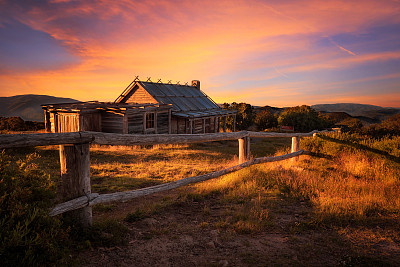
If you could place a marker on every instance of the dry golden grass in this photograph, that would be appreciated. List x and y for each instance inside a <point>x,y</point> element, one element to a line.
<point>348,185</point>
<point>343,183</point>
<point>339,187</point>
<point>123,168</point>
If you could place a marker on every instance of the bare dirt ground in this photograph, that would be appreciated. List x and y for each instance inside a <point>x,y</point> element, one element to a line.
<point>192,233</point>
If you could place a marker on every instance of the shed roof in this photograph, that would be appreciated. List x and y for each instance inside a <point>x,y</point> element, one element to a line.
<point>187,101</point>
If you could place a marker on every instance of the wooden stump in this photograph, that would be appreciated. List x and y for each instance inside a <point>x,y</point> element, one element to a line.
<point>75,175</point>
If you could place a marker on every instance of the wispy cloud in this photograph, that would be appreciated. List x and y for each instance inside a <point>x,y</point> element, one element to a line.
<point>280,73</point>
<point>341,47</point>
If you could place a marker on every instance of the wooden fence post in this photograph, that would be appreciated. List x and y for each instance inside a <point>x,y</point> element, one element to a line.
<point>248,148</point>
<point>244,149</point>
<point>234,123</point>
<point>224,124</point>
<point>295,146</point>
<point>75,175</point>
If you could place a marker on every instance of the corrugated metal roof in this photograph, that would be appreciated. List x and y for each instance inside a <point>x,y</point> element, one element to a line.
<point>182,97</point>
<point>187,101</point>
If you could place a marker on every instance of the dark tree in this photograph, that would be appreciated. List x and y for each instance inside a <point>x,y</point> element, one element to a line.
<point>302,118</point>
<point>244,116</point>
<point>265,119</point>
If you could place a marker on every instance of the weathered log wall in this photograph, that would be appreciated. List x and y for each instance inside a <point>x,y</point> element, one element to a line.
<point>111,122</point>
<point>90,122</point>
<point>135,123</point>
<point>162,122</point>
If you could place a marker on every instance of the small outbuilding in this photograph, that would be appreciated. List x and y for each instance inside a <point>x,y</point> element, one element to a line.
<point>142,108</point>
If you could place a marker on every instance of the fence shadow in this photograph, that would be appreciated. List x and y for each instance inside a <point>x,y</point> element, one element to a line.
<point>362,147</point>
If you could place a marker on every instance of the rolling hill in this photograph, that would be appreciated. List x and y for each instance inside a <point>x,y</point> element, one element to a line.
<point>28,106</point>
<point>361,111</point>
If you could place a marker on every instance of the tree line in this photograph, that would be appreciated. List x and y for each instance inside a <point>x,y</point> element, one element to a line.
<point>303,119</point>
<point>18,124</point>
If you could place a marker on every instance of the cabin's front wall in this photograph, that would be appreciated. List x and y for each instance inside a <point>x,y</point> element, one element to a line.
<point>163,122</point>
<point>138,122</point>
<point>179,125</point>
<point>199,125</point>
<point>90,122</point>
<point>135,123</point>
<point>112,122</point>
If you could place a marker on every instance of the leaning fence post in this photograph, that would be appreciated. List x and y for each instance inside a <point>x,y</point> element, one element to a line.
<point>295,146</point>
<point>75,176</point>
<point>244,149</point>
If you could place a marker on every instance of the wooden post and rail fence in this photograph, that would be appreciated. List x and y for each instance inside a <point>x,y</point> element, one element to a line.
<point>75,162</point>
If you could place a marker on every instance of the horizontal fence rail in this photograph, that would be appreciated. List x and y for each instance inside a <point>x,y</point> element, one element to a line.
<point>75,162</point>
<point>44,139</point>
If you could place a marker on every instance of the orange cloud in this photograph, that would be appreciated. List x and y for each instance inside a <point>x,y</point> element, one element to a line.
<point>185,40</point>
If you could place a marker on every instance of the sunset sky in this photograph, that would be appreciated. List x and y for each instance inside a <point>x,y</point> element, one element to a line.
<point>278,53</point>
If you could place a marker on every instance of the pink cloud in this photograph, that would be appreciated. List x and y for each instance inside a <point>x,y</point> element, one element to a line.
<point>182,40</point>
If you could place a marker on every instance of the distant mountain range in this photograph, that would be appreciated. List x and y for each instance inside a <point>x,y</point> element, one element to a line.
<point>28,106</point>
<point>368,113</point>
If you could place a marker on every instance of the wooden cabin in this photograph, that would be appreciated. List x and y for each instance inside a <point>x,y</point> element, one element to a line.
<point>108,117</point>
<point>142,108</point>
<point>193,111</point>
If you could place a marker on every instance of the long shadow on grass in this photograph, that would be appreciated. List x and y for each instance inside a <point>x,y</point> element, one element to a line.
<point>363,147</point>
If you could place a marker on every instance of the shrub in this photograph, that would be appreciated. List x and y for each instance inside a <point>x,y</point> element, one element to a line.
<point>390,127</point>
<point>302,118</point>
<point>28,235</point>
<point>18,124</point>
<point>244,116</point>
<point>265,120</point>
<point>353,124</point>
<point>12,124</point>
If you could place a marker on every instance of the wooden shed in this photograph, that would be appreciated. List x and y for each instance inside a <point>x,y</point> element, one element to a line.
<point>108,117</point>
<point>192,110</point>
<point>142,108</point>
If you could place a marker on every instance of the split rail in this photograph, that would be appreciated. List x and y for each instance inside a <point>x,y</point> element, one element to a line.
<point>75,162</point>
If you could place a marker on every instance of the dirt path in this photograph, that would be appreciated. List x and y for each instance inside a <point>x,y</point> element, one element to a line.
<point>192,233</point>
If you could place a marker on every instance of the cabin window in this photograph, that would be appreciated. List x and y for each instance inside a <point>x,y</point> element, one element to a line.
<point>150,120</point>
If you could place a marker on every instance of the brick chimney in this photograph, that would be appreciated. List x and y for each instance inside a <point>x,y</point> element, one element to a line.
<point>196,83</point>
